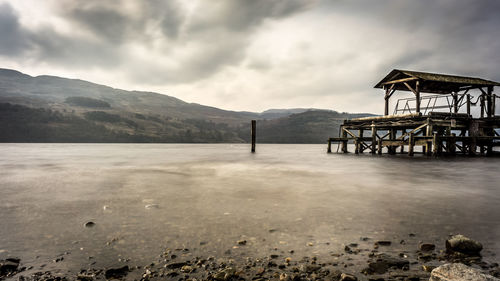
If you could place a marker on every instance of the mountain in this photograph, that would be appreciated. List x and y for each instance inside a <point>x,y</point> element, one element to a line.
<point>54,109</point>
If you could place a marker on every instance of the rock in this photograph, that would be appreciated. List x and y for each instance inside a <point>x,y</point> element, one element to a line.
<point>348,277</point>
<point>383,262</point>
<point>9,265</point>
<point>175,265</point>
<point>464,245</point>
<point>426,247</point>
<point>89,224</point>
<point>187,268</point>
<point>116,273</point>
<point>242,242</point>
<point>226,274</point>
<point>274,256</point>
<point>284,277</point>
<point>383,243</point>
<point>85,277</point>
<point>459,272</point>
<point>428,268</point>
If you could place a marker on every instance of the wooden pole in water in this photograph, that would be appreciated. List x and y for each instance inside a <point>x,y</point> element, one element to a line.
<point>374,138</point>
<point>254,127</point>
<point>410,145</point>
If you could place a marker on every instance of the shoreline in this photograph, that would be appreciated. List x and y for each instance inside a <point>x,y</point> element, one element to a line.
<point>366,259</point>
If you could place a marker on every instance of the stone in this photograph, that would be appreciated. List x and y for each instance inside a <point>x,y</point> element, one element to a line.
<point>348,277</point>
<point>462,244</point>
<point>226,274</point>
<point>428,268</point>
<point>89,224</point>
<point>383,243</point>
<point>459,272</point>
<point>175,265</point>
<point>116,273</point>
<point>242,242</point>
<point>426,247</point>
<point>383,262</point>
<point>8,266</point>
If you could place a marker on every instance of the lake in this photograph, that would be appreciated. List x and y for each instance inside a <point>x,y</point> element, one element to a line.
<point>145,198</point>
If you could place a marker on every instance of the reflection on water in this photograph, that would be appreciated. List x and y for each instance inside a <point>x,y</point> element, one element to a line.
<point>147,197</point>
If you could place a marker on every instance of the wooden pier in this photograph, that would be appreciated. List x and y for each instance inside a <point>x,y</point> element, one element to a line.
<point>413,125</point>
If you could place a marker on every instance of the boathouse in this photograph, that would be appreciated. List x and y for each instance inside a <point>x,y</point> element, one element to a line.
<point>446,114</point>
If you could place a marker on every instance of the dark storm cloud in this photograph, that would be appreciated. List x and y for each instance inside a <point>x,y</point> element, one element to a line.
<point>48,46</point>
<point>13,38</point>
<point>241,15</point>
<point>109,24</point>
<point>457,36</point>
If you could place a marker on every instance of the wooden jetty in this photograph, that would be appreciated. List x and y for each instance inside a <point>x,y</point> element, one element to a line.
<point>439,117</point>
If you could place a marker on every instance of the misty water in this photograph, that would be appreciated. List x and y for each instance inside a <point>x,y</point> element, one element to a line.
<point>145,198</point>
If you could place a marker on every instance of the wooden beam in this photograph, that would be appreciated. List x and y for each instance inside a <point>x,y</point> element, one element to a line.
<point>468,104</point>
<point>400,80</point>
<point>410,88</point>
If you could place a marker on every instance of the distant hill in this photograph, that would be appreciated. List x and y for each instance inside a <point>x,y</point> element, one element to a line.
<point>55,109</point>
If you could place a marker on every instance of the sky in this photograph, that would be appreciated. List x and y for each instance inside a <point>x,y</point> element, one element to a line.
<point>251,55</point>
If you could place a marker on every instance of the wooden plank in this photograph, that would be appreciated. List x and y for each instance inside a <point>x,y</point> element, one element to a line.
<point>400,80</point>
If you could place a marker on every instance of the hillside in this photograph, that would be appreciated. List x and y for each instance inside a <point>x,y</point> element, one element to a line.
<point>54,109</point>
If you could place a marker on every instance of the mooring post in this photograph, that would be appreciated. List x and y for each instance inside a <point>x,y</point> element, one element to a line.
<point>403,145</point>
<point>392,135</point>
<point>361,148</point>
<point>374,138</point>
<point>435,145</point>
<point>254,127</point>
<point>344,142</point>
<point>411,144</point>
<point>453,144</point>
<point>429,133</point>
<point>329,146</point>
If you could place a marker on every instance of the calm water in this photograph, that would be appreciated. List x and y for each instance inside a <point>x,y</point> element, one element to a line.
<point>207,197</point>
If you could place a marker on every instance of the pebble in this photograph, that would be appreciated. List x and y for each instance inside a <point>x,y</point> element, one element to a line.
<point>426,247</point>
<point>89,224</point>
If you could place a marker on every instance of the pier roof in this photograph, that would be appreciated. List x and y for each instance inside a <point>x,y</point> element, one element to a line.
<point>432,82</point>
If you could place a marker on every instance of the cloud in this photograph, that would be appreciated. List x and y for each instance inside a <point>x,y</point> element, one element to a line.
<point>13,40</point>
<point>252,55</point>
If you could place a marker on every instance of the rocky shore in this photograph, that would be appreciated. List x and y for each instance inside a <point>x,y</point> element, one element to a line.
<point>458,259</point>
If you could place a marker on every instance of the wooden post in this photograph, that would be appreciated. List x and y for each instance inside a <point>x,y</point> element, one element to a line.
<point>254,125</point>
<point>455,102</point>
<point>429,133</point>
<point>374,138</point>
<point>360,141</point>
<point>489,104</point>
<point>411,143</point>
<point>379,146</point>
<point>387,97</point>
<point>435,145</point>
<point>417,94</point>
<point>453,144</point>
<point>481,98</point>
<point>473,132</point>
<point>329,146</point>
<point>468,104</point>
<point>392,136</point>
<point>344,142</point>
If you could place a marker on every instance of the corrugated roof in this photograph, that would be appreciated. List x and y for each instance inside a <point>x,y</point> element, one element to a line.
<point>440,81</point>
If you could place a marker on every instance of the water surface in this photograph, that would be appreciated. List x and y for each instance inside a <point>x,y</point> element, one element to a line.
<point>207,197</point>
